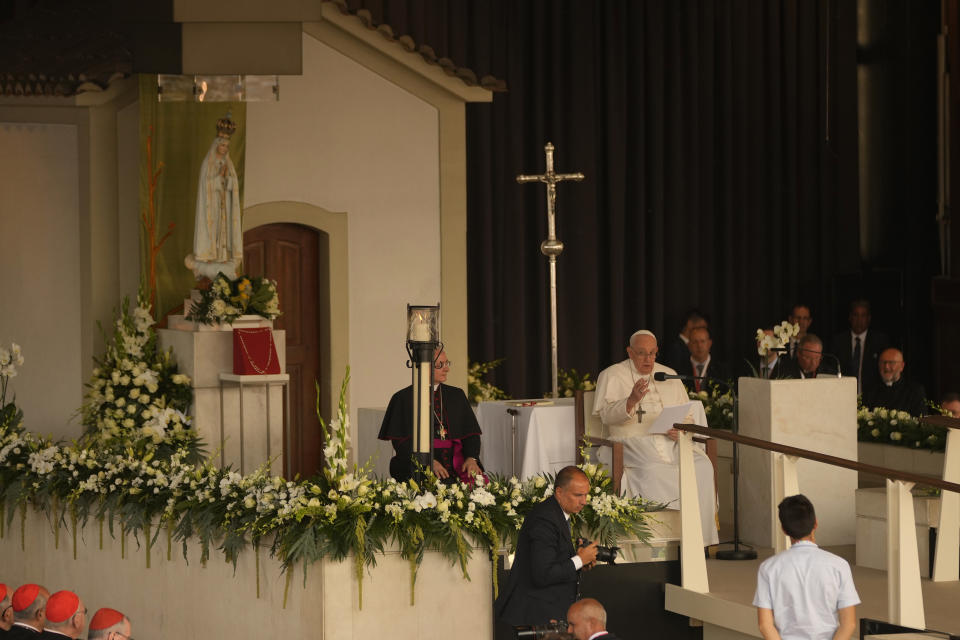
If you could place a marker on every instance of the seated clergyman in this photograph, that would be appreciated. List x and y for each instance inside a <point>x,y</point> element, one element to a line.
<point>629,400</point>
<point>456,432</point>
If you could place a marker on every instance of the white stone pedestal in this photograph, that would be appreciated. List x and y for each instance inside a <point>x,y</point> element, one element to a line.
<point>872,528</point>
<point>204,355</point>
<point>818,415</point>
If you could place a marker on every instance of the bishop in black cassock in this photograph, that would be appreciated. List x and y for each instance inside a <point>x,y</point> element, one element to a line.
<point>456,432</point>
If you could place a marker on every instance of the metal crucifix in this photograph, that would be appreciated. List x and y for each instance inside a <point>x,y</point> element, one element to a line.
<point>551,247</point>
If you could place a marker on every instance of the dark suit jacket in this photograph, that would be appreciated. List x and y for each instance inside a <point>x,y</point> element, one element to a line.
<point>789,368</point>
<point>21,633</point>
<point>718,371</point>
<point>607,636</point>
<point>902,395</point>
<point>875,343</point>
<point>674,354</point>
<point>785,368</point>
<point>543,581</point>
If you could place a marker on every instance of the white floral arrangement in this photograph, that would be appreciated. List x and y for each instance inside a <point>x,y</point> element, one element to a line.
<point>11,417</point>
<point>10,359</point>
<point>719,407</point>
<point>136,394</point>
<point>899,428</point>
<point>340,513</point>
<point>480,390</point>
<point>782,334</point>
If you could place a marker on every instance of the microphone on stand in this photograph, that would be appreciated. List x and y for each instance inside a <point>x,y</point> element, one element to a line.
<point>837,360</point>
<point>660,376</point>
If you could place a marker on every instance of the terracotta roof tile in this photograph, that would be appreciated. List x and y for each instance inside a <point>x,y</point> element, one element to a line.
<point>63,48</point>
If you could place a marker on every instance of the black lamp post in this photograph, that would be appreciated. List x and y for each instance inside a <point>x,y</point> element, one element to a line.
<point>423,340</point>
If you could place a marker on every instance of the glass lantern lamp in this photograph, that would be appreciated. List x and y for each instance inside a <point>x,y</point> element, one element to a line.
<point>423,340</point>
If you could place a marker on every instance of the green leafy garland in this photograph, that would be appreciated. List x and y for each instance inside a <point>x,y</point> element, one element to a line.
<point>225,300</point>
<point>343,512</point>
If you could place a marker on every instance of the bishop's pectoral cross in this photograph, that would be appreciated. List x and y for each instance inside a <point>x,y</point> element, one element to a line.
<point>551,247</point>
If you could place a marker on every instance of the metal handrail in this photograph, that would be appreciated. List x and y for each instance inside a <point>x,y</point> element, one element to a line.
<point>820,457</point>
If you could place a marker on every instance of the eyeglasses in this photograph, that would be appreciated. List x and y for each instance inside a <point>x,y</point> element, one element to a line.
<point>442,365</point>
<point>645,355</point>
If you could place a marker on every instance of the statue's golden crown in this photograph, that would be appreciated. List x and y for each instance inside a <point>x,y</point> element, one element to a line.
<point>226,126</point>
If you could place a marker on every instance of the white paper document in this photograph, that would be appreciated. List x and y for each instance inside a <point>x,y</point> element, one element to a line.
<point>685,413</point>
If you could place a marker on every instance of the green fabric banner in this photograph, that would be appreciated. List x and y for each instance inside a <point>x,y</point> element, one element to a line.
<point>175,137</point>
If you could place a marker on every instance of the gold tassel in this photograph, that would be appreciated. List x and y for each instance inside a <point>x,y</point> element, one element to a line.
<point>359,570</point>
<point>286,585</point>
<point>56,522</point>
<point>256,555</point>
<point>413,579</point>
<point>73,527</point>
<point>23,526</point>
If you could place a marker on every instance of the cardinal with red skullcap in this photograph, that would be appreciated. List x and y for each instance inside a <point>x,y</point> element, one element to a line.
<point>65,617</point>
<point>29,604</point>
<point>109,624</point>
<point>6,610</point>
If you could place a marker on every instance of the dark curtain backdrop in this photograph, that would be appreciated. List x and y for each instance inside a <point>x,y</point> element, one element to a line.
<point>719,143</point>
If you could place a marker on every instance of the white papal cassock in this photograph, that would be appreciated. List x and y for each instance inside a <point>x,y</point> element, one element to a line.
<point>651,462</point>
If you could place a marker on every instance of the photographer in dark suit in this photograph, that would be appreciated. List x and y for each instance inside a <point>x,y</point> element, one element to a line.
<point>543,580</point>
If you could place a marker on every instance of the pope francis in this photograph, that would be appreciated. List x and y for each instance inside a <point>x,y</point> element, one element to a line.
<point>628,401</point>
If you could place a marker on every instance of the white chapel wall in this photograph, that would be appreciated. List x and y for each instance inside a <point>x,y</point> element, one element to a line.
<point>40,268</point>
<point>346,139</point>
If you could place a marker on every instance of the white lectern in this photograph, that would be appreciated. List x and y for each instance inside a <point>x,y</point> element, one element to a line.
<point>819,415</point>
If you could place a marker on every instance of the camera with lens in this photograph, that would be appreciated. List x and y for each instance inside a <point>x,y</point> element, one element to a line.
<point>541,631</point>
<point>604,554</point>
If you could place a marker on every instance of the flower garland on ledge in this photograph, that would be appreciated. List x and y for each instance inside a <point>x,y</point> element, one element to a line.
<point>899,428</point>
<point>225,300</point>
<point>340,513</point>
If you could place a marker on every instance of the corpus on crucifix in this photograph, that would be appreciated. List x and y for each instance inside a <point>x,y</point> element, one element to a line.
<point>551,247</point>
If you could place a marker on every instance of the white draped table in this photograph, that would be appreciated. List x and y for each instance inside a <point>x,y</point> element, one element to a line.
<point>544,439</point>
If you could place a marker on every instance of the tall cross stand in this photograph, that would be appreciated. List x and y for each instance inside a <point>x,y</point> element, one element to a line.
<point>551,247</point>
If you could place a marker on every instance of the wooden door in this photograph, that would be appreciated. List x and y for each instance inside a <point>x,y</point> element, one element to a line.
<point>289,254</point>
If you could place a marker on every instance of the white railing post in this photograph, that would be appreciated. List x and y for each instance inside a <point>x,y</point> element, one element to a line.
<point>946,562</point>
<point>693,565</point>
<point>784,484</point>
<point>904,597</point>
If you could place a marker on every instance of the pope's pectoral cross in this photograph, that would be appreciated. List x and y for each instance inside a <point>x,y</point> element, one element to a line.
<point>551,247</point>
